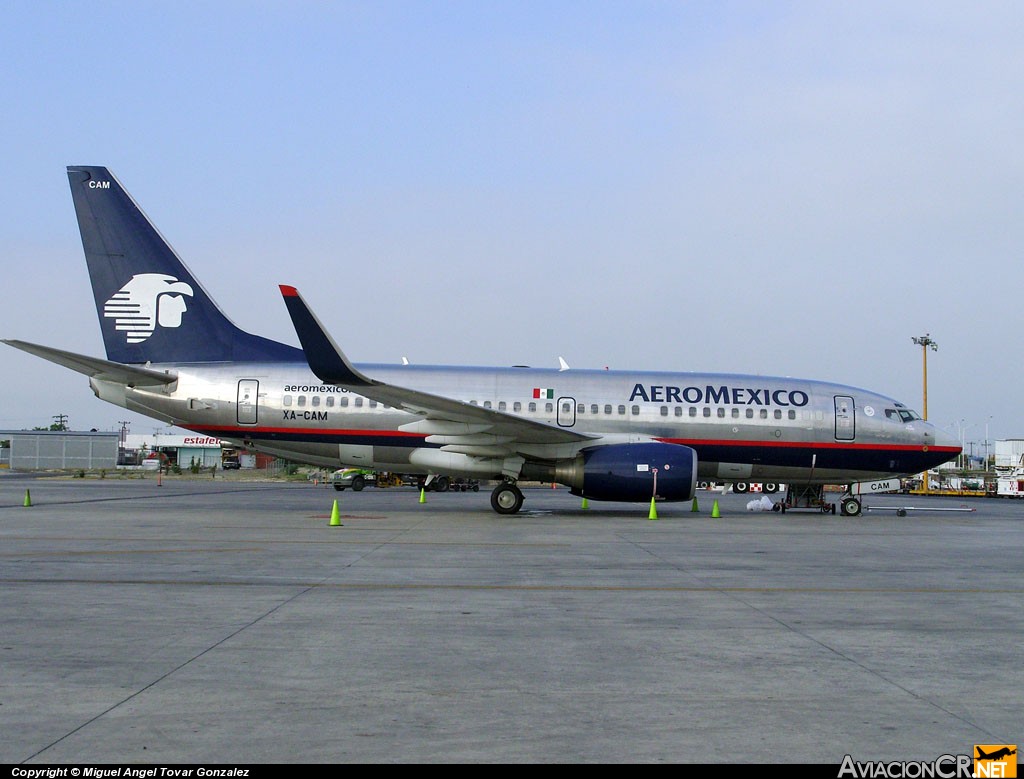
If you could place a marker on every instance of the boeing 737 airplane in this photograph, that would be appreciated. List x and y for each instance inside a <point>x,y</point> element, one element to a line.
<point>607,435</point>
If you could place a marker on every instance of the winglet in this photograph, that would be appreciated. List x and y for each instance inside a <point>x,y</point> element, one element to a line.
<point>325,359</point>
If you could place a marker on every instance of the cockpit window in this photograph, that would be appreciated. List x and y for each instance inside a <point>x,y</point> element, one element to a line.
<point>901,414</point>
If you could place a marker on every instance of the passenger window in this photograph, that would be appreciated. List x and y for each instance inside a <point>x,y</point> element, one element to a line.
<point>778,413</point>
<point>707,411</point>
<point>358,402</point>
<point>664,411</point>
<point>622,409</point>
<point>679,411</point>
<point>792,414</point>
<point>343,402</point>
<point>634,410</point>
<point>533,406</point>
<point>735,413</point>
<point>517,406</point>
<point>549,407</point>
<point>764,413</point>
<point>750,413</point>
<point>316,400</point>
<point>501,405</point>
<point>287,400</point>
<point>330,401</point>
<point>608,409</point>
<point>302,400</point>
<point>721,413</point>
<point>373,404</point>
<point>594,408</point>
<point>693,411</point>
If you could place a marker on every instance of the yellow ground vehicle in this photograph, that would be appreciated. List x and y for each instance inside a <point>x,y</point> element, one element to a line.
<point>358,478</point>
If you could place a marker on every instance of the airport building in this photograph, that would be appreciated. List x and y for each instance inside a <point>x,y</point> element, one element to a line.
<point>187,450</point>
<point>40,450</point>
<point>43,450</point>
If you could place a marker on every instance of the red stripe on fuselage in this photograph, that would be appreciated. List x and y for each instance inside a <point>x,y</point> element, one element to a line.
<point>240,432</point>
<point>811,445</point>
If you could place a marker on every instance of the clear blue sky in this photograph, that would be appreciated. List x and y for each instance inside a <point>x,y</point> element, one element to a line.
<point>777,188</point>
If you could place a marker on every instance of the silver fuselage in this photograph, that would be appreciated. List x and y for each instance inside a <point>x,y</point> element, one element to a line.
<point>742,427</point>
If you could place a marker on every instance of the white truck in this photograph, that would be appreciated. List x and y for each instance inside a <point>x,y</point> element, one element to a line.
<point>1011,484</point>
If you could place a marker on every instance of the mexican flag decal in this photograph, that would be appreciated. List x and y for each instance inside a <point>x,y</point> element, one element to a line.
<point>546,394</point>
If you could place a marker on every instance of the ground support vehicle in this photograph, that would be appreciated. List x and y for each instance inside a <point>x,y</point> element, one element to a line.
<point>443,484</point>
<point>356,478</point>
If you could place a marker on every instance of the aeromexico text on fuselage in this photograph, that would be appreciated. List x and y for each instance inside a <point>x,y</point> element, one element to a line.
<point>722,394</point>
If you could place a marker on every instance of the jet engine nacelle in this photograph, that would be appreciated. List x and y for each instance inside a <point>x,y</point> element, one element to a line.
<point>624,472</point>
<point>638,472</point>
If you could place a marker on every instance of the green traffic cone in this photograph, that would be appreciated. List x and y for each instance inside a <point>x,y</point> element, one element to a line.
<point>335,517</point>
<point>28,499</point>
<point>653,513</point>
<point>585,505</point>
<point>715,513</point>
<point>423,495</point>
<point>694,509</point>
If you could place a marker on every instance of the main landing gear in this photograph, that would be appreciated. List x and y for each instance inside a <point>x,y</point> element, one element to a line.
<point>506,498</point>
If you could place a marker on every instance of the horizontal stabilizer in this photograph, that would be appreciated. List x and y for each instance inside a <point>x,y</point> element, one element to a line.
<point>95,368</point>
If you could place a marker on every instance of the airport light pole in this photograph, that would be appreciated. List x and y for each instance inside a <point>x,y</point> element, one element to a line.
<point>986,446</point>
<point>925,341</point>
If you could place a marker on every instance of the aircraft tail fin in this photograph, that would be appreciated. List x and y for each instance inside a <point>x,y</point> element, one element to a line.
<point>150,306</point>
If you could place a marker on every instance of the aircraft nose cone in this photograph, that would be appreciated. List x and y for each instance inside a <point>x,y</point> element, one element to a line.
<point>941,438</point>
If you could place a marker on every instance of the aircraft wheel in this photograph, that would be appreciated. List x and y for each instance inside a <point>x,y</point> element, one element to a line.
<point>850,507</point>
<point>740,487</point>
<point>771,488</point>
<point>441,484</point>
<point>358,483</point>
<point>506,499</point>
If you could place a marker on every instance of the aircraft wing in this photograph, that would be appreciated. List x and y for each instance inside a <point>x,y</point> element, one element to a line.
<point>95,368</point>
<point>456,425</point>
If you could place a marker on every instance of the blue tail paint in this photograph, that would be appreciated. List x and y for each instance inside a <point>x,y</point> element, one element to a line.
<point>150,306</point>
